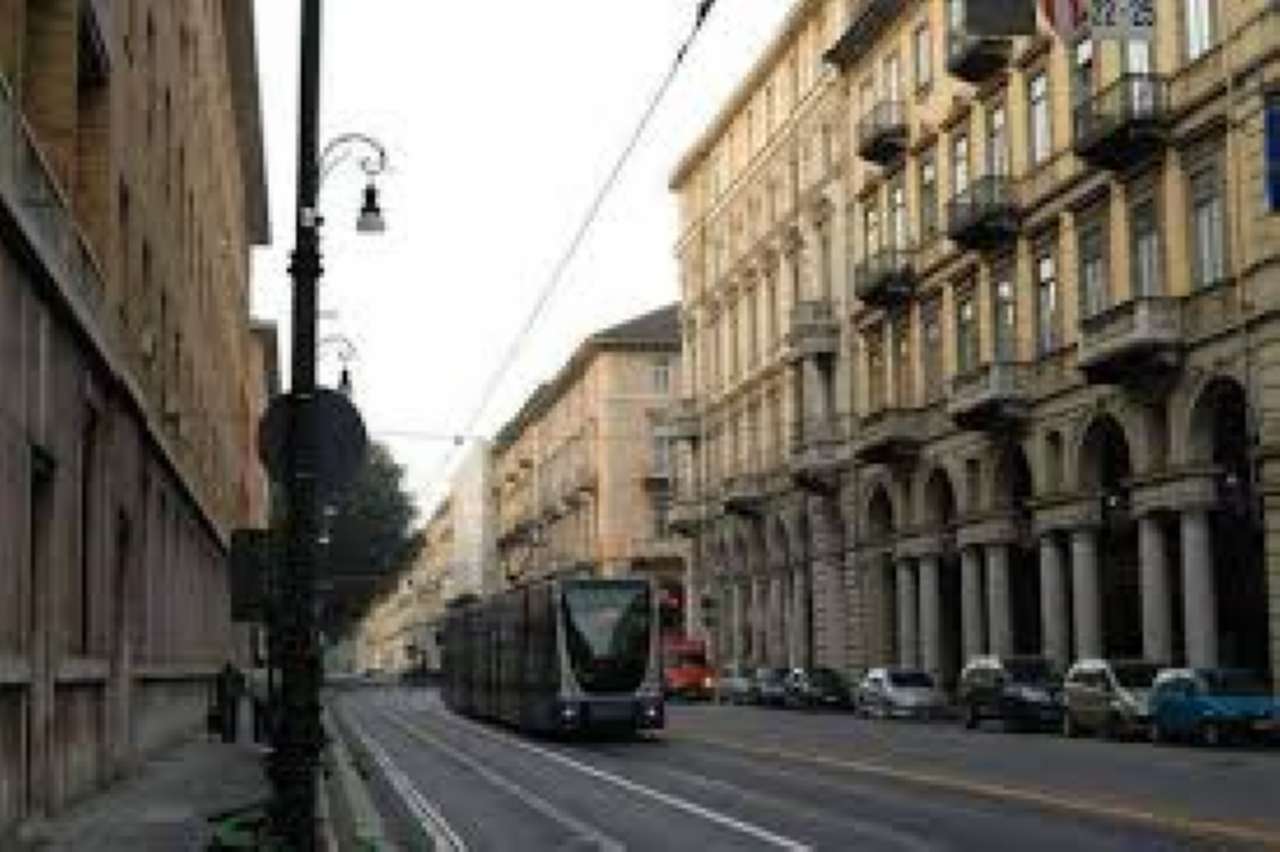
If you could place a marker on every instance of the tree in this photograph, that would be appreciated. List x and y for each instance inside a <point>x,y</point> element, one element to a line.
<point>372,539</point>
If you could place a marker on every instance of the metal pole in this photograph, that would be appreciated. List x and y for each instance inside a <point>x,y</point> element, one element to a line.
<point>297,749</point>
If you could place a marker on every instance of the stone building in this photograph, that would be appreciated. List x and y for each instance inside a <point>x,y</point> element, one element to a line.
<point>131,193</point>
<point>582,473</point>
<point>471,518</point>
<point>400,628</point>
<point>981,342</point>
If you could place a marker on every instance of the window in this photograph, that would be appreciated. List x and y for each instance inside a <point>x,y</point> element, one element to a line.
<point>875,370</point>
<point>997,141</point>
<point>661,456</point>
<point>1005,314</point>
<point>1041,139</point>
<point>824,262</point>
<point>898,212</point>
<point>661,376</point>
<point>928,195</point>
<point>1199,25</point>
<point>932,351</point>
<point>1271,135</point>
<point>773,309</point>
<point>1208,227</point>
<point>1095,296</point>
<point>967,353</point>
<point>902,366</point>
<point>867,95</point>
<point>871,228</point>
<point>1144,237</point>
<point>1048,334</point>
<point>960,164</point>
<point>753,328</point>
<point>923,57</point>
<point>1082,71</point>
<point>892,77</point>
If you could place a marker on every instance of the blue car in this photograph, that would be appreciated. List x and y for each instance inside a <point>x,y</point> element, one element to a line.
<point>1213,706</point>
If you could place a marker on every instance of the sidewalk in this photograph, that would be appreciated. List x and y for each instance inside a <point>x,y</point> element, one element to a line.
<point>164,806</point>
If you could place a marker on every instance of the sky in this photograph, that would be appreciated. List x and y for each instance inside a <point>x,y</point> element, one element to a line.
<point>502,120</point>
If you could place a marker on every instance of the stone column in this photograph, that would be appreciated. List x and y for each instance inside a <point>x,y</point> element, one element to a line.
<point>930,616</point>
<point>800,618</point>
<point>999,623</point>
<point>1153,556</point>
<point>737,623</point>
<point>1199,596</point>
<point>971,601</point>
<point>1053,603</point>
<point>777,621</point>
<point>908,607</point>
<point>1084,592</point>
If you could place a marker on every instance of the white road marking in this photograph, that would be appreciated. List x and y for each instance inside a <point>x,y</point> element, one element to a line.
<point>442,835</point>
<point>630,786</point>
<point>586,832</point>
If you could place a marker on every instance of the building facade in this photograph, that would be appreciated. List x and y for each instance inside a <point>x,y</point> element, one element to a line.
<point>400,630</point>
<point>582,473</point>
<point>131,192</point>
<point>981,343</point>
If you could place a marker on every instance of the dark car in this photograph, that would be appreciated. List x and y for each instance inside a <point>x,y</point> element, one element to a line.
<point>1213,706</point>
<point>769,686</point>
<point>1020,692</point>
<point>816,687</point>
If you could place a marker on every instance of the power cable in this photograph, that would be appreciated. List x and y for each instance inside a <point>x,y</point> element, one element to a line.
<point>593,210</point>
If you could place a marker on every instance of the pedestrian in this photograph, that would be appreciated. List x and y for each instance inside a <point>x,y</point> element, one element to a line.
<point>230,690</point>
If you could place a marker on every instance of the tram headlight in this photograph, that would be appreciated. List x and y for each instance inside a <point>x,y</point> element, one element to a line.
<point>569,713</point>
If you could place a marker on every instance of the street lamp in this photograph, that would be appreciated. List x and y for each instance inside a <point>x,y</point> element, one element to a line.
<point>347,353</point>
<point>297,744</point>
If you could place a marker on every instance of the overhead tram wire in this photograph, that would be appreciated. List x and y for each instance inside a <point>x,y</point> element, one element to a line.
<point>593,212</point>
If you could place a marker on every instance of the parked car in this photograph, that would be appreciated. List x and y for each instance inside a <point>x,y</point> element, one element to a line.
<point>1213,706</point>
<point>735,684</point>
<point>900,693</point>
<point>769,686</point>
<point>1109,697</point>
<point>1021,692</point>
<point>816,687</point>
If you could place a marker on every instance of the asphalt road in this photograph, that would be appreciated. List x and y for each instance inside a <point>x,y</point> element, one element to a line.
<point>753,778</point>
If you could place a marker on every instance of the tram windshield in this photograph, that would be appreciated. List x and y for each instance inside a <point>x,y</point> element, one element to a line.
<point>607,633</point>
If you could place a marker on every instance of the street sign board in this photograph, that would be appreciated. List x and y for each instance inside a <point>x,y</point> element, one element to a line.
<point>1126,20</point>
<point>1000,18</point>
<point>341,438</point>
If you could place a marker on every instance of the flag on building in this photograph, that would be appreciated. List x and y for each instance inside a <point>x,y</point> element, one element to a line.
<point>1067,17</point>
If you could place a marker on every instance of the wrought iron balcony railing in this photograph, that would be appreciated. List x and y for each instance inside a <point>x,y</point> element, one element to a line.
<point>985,214</point>
<point>1124,123</point>
<point>883,132</point>
<point>885,278</point>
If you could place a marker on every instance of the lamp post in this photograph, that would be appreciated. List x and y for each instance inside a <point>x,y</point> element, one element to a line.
<point>296,752</point>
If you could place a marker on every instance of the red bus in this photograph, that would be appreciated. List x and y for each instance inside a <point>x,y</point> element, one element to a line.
<point>685,672</point>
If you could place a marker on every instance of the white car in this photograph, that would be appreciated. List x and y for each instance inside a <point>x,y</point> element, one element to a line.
<point>891,693</point>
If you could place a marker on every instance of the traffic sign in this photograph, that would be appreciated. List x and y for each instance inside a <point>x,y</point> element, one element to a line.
<point>341,439</point>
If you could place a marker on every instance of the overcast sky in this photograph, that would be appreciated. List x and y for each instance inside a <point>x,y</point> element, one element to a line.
<point>502,119</point>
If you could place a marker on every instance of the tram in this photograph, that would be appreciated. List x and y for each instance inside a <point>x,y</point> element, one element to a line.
<point>558,655</point>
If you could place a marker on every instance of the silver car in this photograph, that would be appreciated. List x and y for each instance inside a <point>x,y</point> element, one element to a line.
<point>1109,697</point>
<point>891,693</point>
<point>734,684</point>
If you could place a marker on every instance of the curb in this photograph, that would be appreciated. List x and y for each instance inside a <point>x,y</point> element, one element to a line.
<point>352,819</point>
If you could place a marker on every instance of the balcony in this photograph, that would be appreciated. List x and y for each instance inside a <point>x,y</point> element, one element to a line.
<point>991,398</point>
<point>817,454</point>
<point>744,495</point>
<point>1125,123</point>
<point>814,330</point>
<point>975,59</point>
<point>886,278</point>
<point>985,215</point>
<point>1133,342</point>
<point>685,517</point>
<point>867,20</point>
<point>657,477</point>
<point>683,423</point>
<point>651,549</point>
<point>883,132</point>
<point>888,436</point>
